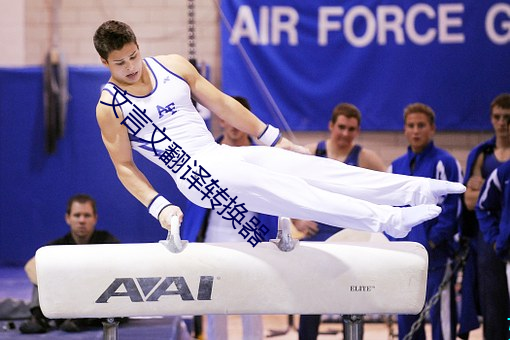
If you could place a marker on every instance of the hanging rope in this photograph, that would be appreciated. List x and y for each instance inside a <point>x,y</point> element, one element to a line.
<point>259,82</point>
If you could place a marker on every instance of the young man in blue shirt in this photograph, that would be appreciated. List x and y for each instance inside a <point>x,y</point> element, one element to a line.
<point>424,159</point>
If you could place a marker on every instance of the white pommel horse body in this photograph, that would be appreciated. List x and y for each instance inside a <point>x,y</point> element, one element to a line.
<point>154,279</point>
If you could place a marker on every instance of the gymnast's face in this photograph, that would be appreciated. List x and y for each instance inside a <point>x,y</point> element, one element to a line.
<point>419,131</point>
<point>125,64</point>
<point>82,221</point>
<point>344,130</point>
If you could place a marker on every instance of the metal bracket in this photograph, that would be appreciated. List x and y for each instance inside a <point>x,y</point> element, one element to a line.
<point>110,329</point>
<point>353,327</point>
<point>284,240</point>
<point>173,240</point>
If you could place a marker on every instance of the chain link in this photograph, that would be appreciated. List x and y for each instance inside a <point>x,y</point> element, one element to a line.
<point>459,263</point>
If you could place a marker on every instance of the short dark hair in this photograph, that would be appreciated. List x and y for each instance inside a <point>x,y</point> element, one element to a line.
<point>420,108</point>
<point>81,198</point>
<point>502,100</point>
<point>244,102</point>
<point>112,35</point>
<point>348,110</point>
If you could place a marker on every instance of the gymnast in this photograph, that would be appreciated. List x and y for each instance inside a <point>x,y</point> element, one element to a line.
<point>147,106</point>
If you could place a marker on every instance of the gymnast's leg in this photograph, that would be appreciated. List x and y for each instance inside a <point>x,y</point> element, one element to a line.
<point>273,193</point>
<point>374,186</point>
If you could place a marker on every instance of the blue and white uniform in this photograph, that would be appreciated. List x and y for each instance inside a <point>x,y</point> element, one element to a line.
<point>493,210</point>
<point>469,230</point>
<point>433,162</point>
<point>484,279</point>
<point>165,127</point>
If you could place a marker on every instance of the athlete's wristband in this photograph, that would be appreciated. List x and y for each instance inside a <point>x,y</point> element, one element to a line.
<point>270,136</point>
<point>157,205</point>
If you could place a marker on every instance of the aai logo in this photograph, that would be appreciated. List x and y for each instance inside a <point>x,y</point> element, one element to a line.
<point>152,288</point>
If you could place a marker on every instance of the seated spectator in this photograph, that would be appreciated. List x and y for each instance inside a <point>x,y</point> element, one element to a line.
<point>81,216</point>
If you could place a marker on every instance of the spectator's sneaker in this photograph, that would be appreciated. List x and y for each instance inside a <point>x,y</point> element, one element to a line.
<point>70,326</point>
<point>34,326</point>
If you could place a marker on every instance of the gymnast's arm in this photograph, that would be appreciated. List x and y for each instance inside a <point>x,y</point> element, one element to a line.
<point>116,140</point>
<point>224,106</point>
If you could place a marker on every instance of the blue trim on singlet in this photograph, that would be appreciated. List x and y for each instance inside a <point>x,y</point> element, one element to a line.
<point>485,147</point>
<point>155,78</point>
<point>490,162</point>
<point>108,90</point>
<point>351,159</point>
<point>147,95</point>
<point>163,66</point>
<point>353,156</point>
<point>321,149</point>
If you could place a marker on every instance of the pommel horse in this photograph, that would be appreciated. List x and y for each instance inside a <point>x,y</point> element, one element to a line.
<point>173,277</point>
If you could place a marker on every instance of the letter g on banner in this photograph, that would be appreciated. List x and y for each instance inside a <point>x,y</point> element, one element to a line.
<point>498,35</point>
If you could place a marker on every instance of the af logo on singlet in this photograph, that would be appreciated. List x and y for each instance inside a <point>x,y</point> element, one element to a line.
<point>168,109</point>
<point>152,288</point>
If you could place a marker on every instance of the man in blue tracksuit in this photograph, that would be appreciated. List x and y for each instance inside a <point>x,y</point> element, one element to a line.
<point>484,278</point>
<point>205,225</point>
<point>469,230</point>
<point>344,128</point>
<point>424,159</point>
<point>493,212</point>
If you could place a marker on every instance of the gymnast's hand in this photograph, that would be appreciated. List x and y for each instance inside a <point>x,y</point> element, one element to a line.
<point>286,144</point>
<point>308,228</point>
<point>166,215</point>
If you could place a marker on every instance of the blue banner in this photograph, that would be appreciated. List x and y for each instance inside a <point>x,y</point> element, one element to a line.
<point>295,60</point>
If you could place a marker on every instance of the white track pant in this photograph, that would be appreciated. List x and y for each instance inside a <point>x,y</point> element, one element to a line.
<point>278,182</point>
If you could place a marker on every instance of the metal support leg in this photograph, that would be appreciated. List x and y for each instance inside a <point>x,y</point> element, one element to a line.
<point>353,327</point>
<point>284,240</point>
<point>110,329</point>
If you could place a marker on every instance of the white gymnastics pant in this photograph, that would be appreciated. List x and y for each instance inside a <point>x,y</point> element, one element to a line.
<point>278,182</point>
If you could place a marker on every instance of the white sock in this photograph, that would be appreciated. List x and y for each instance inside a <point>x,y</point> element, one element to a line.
<point>442,188</point>
<point>412,216</point>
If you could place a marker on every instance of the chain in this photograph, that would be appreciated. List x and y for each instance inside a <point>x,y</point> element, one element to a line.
<point>458,266</point>
<point>191,30</point>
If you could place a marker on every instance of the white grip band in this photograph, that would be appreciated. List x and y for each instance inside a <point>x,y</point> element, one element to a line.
<point>157,205</point>
<point>270,136</point>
